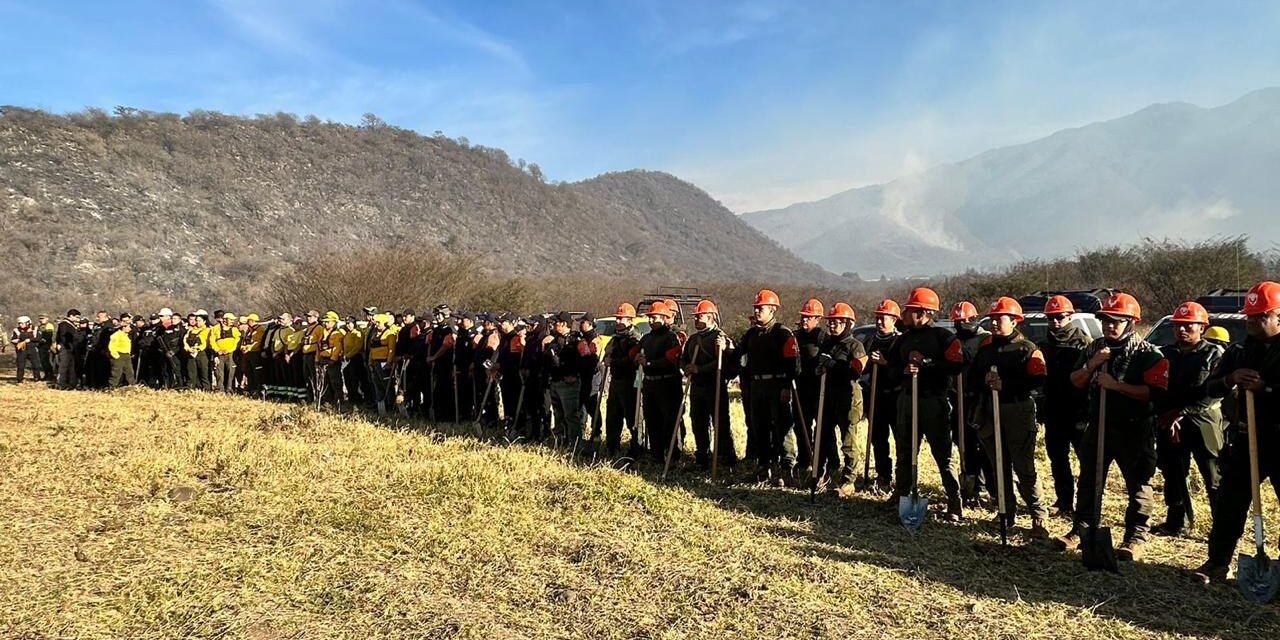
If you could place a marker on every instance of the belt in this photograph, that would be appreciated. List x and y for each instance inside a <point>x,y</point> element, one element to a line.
<point>770,376</point>
<point>665,376</point>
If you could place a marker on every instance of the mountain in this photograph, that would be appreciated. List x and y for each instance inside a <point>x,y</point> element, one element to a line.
<point>1170,170</point>
<point>141,206</point>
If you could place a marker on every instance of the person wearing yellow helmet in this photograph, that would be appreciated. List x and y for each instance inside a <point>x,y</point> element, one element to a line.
<point>1218,336</point>
<point>224,340</point>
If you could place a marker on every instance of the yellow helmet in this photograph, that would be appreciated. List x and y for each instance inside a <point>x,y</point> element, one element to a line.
<point>330,316</point>
<point>1217,334</point>
<point>253,317</point>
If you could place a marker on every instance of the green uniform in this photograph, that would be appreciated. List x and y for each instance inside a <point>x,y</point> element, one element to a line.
<point>1021,368</point>
<point>1189,426</point>
<point>1062,409</point>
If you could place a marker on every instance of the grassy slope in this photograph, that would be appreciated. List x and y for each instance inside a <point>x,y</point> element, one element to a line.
<point>311,525</point>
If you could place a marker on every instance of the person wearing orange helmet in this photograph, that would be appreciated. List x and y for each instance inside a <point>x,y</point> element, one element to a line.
<point>1132,372</point>
<point>1012,365</point>
<point>977,470</point>
<point>810,335</point>
<point>659,356</point>
<point>886,389</point>
<point>1063,408</point>
<point>620,362</point>
<point>1250,366</point>
<point>1189,423</point>
<point>698,360</point>
<point>769,357</point>
<point>932,356</point>
<point>843,359</point>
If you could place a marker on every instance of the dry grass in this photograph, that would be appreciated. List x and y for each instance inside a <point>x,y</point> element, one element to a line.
<point>161,515</point>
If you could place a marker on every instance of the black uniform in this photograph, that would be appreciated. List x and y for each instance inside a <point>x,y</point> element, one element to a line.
<point>1189,425</point>
<point>1064,410</point>
<point>68,343</point>
<point>702,394</point>
<point>567,359</point>
<point>534,380</point>
<point>620,358</point>
<point>809,343</point>
<point>25,348</point>
<point>843,359</point>
<point>663,390</point>
<point>943,358</point>
<point>886,407</point>
<point>483,365</point>
<point>464,354</point>
<point>440,343</point>
<point>168,344</point>
<point>769,355</point>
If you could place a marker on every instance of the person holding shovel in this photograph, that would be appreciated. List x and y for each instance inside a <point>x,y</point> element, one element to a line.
<point>1131,372</point>
<point>1251,366</point>
<point>706,349</point>
<point>842,360</point>
<point>1010,364</point>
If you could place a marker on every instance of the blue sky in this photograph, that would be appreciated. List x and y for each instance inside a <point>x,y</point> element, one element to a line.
<point>762,103</point>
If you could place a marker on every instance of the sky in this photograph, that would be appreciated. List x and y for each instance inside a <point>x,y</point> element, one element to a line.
<point>762,103</point>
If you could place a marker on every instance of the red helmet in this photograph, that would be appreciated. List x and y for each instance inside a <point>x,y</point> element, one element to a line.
<point>1263,297</point>
<point>923,298</point>
<point>1190,313</point>
<point>888,307</point>
<point>1058,305</point>
<point>706,306</point>
<point>1122,305</point>
<point>963,310</point>
<point>767,297</point>
<point>841,311</point>
<point>812,308</point>
<point>1006,306</point>
<point>660,308</point>
<point>625,310</point>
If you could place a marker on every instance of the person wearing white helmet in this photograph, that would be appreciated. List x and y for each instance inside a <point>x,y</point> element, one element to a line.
<point>24,339</point>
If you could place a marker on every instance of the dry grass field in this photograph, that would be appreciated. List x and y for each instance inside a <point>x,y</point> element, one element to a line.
<point>140,514</point>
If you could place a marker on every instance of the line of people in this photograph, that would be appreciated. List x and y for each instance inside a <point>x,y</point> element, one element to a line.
<point>801,389</point>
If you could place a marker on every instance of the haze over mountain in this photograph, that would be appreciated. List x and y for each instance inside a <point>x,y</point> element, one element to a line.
<point>1170,170</point>
<point>208,206</point>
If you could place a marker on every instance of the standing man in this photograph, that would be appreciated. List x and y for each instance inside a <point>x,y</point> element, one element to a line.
<point>224,338</point>
<point>591,384</point>
<point>509,370</point>
<point>698,360</point>
<point>483,369</point>
<point>464,354</point>
<point>1132,372</point>
<point>660,358</point>
<point>24,338</point>
<point>1250,366</point>
<point>195,343</point>
<point>1189,422</point>
<point>120,350</point>
<point>1009,363</point>
<point>770,355</point>
<point>567,359</point>
<point>978,471</point>
<point>620,361</point>
<point>842,360</point>
<point>1065,409</point>
<point>169,344</point>
<point>934,356</point>
<point>251,346</point>
<point>44,342</point>
<point>312,334</point>
<point>354,373</point>
<point>440,343</point>
<point>886,389</point>
<point>66,342</point>
<point>810,335</point>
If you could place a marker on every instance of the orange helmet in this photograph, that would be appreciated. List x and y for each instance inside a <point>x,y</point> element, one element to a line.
<point>1190,313</point>
<point>660,308</point>
<point>1262,298</point>
<point>672,305</point>
<point>923,298</point>
<point>1058,305</point>
<point>812,308</point>
<point>963,310</point>
<point>1122,305</point>
<point>625,310</point>
<point>888,307</point>
<point>706,306</point>
<point>767,297</point>
<point>841,311</point>
<point>1006,306</point>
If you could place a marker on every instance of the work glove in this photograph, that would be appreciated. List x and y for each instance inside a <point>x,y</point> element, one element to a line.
<point>824,363</point>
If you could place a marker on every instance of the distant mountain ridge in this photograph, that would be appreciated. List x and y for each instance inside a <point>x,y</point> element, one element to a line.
<point>1170,170</point>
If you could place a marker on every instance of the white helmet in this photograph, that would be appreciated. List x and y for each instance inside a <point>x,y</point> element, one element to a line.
<point>166,311</point>
<point>202,312</point>
<point>24,320</point>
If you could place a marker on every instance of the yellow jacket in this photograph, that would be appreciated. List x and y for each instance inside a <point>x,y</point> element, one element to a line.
<point>224,340</point>
<point>329,346</point>
<point>352,342</point>
<point>383,348</point>
<point>312,336</point>
<point>292,339</point>
<point>195,340</point>
<point>253,341</point>
<point>119,346</point>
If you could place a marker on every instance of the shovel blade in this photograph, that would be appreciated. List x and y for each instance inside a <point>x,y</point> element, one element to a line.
<point>912,511</point>
<point>1256,578</point>
<point>1097,551</point>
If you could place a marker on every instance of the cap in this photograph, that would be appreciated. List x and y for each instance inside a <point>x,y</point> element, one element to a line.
<point>509,317</point>
<point>467,315</point>
<point>166,311</point>
<point>368,311</point>
<point>24,320</point>
<point>253,317</point>
<point>408,312</point>
<point>202,312</point>
<point>228,316</point>
<point>587,317</point>
<point>73,312</point>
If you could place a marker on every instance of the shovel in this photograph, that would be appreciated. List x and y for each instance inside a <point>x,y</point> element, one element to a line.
<point>1002,514</point>
<point>1255,576</point>
<point>715,419</point>
<point>968,481</point>
<point>1098,554</point>
<point>679,425</point>
<point>866,482</point>
<point>912,508</point>
<point>817,439</point>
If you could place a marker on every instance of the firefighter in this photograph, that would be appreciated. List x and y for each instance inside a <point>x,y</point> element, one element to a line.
<point>195,342</point>
<point>567,358</point>
<point>1012,365</point>
<point>1218,336</point>
<point>1132,372</point>
<point>484,370</point>
<point>24,339</point>
<point>328,359</point>
<point>659,356</point>
<point>120,350</point>
<point>1250,366</point>
<point>168,345</point>
<point>97,362</point>
<point>886,389</point>
<point>45,331</point>
<point>810,335</point>
<point>67,341</point>
<point>933,356</point>
<point>977,470</point>
<point>534,382</point>
<point>355,376</point>
<point>509,373</point>
<point>769,354</point>
<point>439,343</point>
<point>843,359</point>
<point>224,339</point>
<point>464,353</point>
<point>382,354</point>
<point>1064,411</point>
<point>591,384</point>
<point>698,360</point>
<point>620,362</point>
<point>312,335</point>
